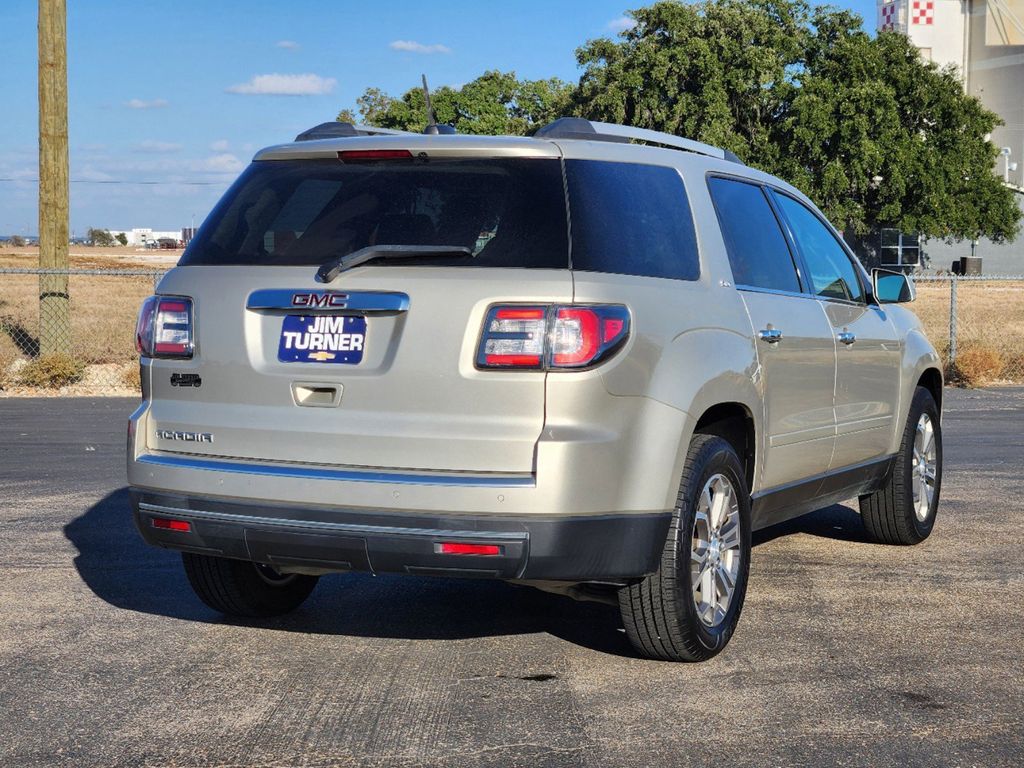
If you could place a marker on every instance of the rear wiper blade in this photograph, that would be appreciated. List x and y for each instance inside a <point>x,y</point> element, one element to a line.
<point>331,269</point>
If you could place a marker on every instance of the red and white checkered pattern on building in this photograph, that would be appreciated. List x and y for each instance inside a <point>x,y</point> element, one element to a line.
<point>922,12</point>
<point>890,15</point>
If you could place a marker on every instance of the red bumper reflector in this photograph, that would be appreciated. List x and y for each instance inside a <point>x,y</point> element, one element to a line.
<point>456,548</point>
<point>172,525</point>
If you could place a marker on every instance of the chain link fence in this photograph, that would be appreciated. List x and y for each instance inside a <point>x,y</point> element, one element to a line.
<point>71,331</point>
<point>977,325</point>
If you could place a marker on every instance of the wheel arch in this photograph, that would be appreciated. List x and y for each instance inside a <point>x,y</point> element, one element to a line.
<point>931,379</point>
<point>921,367</point>
<point>734,423</point>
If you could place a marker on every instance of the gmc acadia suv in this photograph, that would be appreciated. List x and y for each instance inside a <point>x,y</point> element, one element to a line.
<point>593,361</point>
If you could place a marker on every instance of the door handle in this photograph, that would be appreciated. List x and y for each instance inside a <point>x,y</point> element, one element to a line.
<point>847,338</point>
<point>771,335</point>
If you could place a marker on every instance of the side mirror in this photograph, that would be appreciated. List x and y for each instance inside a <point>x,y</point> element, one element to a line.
<point>891,287</point>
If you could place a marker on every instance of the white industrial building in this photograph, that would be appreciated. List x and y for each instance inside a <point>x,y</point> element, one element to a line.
<point>984,40</point>
<point>141,236</point>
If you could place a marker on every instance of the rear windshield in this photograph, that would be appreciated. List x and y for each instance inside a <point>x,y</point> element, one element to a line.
<point>509,212</point>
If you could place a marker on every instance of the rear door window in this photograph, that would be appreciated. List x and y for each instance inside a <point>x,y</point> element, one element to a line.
<point>831,272</point>
<point>509,212</point>
<point>758,252</point>
<point>631,219</point>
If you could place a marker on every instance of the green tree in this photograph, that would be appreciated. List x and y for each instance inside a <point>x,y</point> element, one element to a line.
<point>873,133</point>
<point>494,103</point>
<point>100,237</point>
<point>346,116</point>
<point>122,238</point>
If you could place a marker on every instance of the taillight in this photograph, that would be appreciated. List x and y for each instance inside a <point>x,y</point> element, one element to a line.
<point>513,337</point>
<point>164,328</point>
<point>551,337</point>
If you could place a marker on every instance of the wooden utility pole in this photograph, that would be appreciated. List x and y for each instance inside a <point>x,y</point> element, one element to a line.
<point>54,302</point>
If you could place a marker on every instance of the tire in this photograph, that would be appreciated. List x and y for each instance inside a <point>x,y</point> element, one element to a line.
<point>894,514</point>
<point>660,613</point>
<point>242,588</point>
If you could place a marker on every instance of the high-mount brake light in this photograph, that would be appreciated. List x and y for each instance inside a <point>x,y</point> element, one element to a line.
<point>551,337</point>
<point>164,328</point>
<point>365,155</point>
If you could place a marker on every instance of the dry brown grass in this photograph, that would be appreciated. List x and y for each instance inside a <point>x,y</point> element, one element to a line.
<point>103,309</point>
<point>975,366</point>
<point>7,358</point>
<point>89,257</point>
<point>131,377</point>
<point>990,316</point>
<point>51,371</point>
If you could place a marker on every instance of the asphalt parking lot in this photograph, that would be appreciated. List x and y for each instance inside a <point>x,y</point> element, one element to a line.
<point>848,653</point>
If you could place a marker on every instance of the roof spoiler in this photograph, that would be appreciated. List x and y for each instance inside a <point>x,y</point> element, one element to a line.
<point>337,130</point>
<point>589,130</point>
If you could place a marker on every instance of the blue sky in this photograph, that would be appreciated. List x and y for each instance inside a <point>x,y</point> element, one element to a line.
<point>187,90</point>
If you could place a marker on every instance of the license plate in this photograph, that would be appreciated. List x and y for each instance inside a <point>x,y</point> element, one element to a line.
<point>322,339</point>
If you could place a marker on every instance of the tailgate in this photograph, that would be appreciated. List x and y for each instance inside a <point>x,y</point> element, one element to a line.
<point>307,389</point>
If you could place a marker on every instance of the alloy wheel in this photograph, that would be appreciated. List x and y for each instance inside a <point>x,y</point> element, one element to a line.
<point>715,554</point>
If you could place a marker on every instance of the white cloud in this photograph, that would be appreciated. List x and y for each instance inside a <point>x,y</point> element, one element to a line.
<point>290,45</point>
<point>286,85</point>
<point>621,24</point>
<point>145,104</point>
<point>221,145</point>
<point>414,47</point>
<point>159,147</point>
<point>223,163</point>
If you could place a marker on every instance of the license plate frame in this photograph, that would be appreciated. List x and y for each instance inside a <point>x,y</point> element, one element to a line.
<point>322,339</point>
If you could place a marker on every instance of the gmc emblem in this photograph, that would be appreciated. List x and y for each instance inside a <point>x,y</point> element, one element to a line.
<point>320,300</point>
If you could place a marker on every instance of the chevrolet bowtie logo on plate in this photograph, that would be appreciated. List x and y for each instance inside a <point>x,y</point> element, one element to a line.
<point>321,356</point>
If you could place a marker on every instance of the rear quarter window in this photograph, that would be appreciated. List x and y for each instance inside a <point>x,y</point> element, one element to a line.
<point>631,219</point>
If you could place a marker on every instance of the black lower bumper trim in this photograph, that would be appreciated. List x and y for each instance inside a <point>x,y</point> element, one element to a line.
<point>567,548</point>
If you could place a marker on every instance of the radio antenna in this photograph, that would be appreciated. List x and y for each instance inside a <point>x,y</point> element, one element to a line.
<point>433,128</point>
<point>431,117</point>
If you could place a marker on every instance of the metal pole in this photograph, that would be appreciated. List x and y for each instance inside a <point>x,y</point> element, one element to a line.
<point>952,318</point>
<point>54,301</point>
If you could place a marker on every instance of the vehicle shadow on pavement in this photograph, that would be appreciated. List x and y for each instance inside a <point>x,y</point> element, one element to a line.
<point>125,572</point>
<point>838,522</point>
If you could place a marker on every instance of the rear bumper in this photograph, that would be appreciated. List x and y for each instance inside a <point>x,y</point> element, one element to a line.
<point>323,539</point>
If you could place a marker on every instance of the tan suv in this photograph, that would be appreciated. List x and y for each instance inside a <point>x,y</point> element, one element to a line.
<point>593,361</point>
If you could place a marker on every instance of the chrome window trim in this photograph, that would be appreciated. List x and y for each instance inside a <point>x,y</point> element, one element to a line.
<point>858,268</point>
<point>354,528</point>
<point>358,302</point>
<point>312,472</point>
<point>775,292</point>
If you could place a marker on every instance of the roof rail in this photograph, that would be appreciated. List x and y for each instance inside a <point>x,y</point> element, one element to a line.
<point>590,130</point>
<point>335,130</point>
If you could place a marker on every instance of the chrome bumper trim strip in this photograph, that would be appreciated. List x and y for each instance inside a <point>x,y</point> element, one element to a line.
<point>342,475</point>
